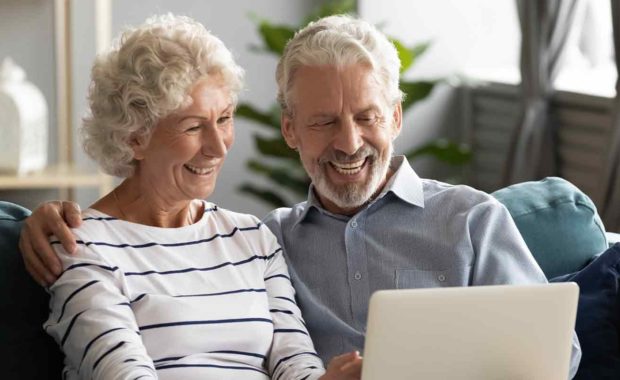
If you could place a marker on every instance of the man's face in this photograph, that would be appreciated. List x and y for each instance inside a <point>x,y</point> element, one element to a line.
<point>343,128</point>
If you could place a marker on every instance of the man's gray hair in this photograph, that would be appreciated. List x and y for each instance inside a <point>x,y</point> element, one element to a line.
<point>147,75</point>
<point>339,41</point>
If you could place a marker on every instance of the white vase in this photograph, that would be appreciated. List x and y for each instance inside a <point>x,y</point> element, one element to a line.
<point>23,122</point>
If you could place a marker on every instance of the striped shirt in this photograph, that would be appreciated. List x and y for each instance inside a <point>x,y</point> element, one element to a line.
<point>212,300</point>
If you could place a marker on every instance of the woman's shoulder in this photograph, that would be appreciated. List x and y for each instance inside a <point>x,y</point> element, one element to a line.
<point>96,223</point>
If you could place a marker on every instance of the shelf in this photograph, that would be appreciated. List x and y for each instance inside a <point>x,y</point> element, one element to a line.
<point>56,177</point>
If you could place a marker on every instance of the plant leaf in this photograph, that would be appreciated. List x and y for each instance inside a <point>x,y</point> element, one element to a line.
<point>443,150</point>
<point>275,147</point>
<point>419,50</point>
<point>248,111</point>
<point>266,196</point>
<point>275,112</point>
<point>333,8</point>
<point>415,91</point>
<point>281,176</point>
<point>275,37</point>
<point>404,54</point>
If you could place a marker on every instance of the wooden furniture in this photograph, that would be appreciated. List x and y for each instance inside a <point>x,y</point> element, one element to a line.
<point>65,174</point>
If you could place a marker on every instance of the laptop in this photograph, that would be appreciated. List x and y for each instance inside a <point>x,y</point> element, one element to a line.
<point>485,332</point>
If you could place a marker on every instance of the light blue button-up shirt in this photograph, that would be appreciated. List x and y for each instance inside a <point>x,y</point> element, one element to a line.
<point>417,233</point>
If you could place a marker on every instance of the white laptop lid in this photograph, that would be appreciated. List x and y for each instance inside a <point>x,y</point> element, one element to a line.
<point>485,332</point>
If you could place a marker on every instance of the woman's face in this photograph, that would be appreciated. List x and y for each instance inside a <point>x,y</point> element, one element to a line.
<point>186,151</point>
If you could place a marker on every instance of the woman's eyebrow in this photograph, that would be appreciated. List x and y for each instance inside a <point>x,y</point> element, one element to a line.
<point>228,108</point>
<point>191,117</point>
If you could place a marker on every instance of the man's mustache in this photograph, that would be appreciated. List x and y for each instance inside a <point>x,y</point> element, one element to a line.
<point>341,157</point>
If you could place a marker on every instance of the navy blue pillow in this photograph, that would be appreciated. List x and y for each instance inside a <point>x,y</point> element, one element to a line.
<point>26,351</point>
<point>598,316</point>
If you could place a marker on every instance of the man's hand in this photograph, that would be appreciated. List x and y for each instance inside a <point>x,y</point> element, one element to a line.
<point>50,218</point>
<point>344,367</point>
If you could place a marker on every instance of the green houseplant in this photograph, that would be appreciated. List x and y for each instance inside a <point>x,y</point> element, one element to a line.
<point>278,163</point>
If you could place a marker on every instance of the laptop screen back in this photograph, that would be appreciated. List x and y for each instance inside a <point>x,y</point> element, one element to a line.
<point>485,332</point>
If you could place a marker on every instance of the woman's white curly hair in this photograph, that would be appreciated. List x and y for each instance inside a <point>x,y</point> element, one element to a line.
<point>144,77</point>
<point>338,41</point>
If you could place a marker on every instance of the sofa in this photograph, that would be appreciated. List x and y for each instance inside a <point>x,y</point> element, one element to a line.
<point>559,223</point>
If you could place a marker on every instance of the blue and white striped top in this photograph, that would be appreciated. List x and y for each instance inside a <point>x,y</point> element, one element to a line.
<point>212,300</point>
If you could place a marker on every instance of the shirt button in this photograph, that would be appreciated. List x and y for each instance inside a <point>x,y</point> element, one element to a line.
<point>441,278</point>
<point>354,224</point>
<point>357,276</point>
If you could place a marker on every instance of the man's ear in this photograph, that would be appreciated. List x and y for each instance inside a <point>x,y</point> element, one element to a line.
<point>287,128</point>
<point>397,119</point>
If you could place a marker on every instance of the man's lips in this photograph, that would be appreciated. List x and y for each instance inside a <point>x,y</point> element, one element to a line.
<point>348,168</point>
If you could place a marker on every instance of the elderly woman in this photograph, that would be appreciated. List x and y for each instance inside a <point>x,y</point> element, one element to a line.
<point>165,284</point>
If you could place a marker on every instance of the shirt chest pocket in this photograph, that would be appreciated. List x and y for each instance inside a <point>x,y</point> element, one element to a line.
<point>416,278</point>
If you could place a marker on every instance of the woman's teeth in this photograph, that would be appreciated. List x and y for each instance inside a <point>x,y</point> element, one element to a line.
<point>348,168</point>
<point>197,170</point>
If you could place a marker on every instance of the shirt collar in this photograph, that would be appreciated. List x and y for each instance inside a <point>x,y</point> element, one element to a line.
<point>404,183</point>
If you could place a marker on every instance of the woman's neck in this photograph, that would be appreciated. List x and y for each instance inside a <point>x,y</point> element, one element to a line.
<point>137,203</point>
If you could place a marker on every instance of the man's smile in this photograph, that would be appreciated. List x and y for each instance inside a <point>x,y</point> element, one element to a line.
<point>348,168</point>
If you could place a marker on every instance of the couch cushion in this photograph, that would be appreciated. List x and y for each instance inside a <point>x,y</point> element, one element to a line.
<point>559,223</point>
<point>598,316</point>
<point>27,351</point>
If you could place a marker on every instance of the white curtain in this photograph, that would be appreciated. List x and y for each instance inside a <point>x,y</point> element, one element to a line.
<point>544,28</point>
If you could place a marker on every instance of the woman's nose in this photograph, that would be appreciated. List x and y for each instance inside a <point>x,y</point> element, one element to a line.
<point>215,142</point>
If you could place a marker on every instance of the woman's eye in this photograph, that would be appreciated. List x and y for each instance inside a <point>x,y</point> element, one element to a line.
<point>193,128</point>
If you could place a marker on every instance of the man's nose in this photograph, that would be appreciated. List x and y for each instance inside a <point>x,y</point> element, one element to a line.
<point>348,138</point>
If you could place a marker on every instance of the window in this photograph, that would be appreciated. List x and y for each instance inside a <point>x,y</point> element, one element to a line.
<point>588,63</point>
<point>476,38</point>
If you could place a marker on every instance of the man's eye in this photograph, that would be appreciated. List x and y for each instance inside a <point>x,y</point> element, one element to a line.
<point>322,123</point>
<point>366,119</point>
<point>224,119</point>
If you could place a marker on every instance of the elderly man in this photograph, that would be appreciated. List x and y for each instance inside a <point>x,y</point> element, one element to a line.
<point>369,222</point>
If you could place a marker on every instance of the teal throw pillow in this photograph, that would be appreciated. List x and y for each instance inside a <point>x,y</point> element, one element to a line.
<point>558,222</point>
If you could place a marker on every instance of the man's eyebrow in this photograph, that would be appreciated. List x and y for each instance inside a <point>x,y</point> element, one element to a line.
<point>369,109</point>
<point>320,115</point>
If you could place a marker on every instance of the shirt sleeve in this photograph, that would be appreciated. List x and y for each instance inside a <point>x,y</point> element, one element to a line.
<point>502,257</point>
<point>292,354</point>
<point>92,322</point>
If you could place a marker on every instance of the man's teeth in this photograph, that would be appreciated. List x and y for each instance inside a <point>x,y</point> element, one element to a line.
<point>348,168</point>
<point>197,170</point>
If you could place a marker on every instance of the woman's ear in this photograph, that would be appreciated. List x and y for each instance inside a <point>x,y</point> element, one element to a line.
<point>138,145</point>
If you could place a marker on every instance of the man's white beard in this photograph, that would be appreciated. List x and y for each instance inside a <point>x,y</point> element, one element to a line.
<point>353,195</point>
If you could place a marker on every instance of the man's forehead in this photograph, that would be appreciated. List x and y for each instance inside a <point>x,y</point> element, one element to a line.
<point>326,89</point>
